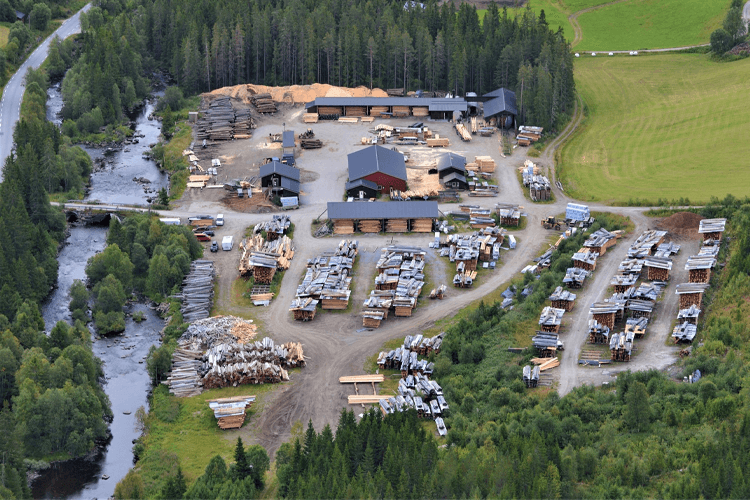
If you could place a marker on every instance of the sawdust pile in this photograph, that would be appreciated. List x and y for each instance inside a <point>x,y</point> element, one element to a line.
<point>684,224</point>
<point>296,94</point>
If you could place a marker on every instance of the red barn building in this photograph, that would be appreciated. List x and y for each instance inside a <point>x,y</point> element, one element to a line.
<point>380,165</point>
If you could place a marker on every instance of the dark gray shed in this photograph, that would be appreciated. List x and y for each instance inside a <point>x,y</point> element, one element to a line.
<point>501,104</point>
<point>362,188</point>
<point>287,139</point>
<point>282,179</point>
<point>451,163</point>
<point>455,181</point>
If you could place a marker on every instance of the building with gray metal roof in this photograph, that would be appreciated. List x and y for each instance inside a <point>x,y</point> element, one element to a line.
<point>502,102</point>
<point>385,167</point>
<point>451,163</point>
<point>455,181</point>
<point>439,107</point>
<point>282,179</point>
<point>287,139</point>
<point>361,188</point>
<point>383,210</point>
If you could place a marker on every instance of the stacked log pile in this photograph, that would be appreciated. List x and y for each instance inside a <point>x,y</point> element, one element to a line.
<point>254,363</point>
<point>197,291</point>
<point>183,380</point>
<point>621,346</point>
<point>263,103</point>
<point>202,334</point>
<point>230,412</point>
<point>563,299</point>
<point>600,240</point>
<point>304,309</point>
<point>598,333</point>
<point>273,228</point>
<point>222,122</point>
<point>261,258</point>
<point>327,279</point>
<point>550,319</point>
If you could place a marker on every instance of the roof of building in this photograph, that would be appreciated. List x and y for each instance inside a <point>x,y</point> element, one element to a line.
<point>376,159</point>
<point>290,184</point>
<point>451,160</point>
<point>282,169</point>
<point>504,102</point>
<point>287,139</point>
<point>454,177</point>
<point>433,103</point>
<point>383,210</point>
<point>20,15</point>
<point>361,183</point>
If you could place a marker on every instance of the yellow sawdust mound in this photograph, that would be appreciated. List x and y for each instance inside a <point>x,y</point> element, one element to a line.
<point>294,93</point>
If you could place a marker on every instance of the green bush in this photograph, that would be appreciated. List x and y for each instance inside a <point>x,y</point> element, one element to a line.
<point>109,322</point>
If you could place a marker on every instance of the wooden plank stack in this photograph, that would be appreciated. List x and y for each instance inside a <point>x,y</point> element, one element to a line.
<point>400,111</point>
<point>485,163</point>
<point>421,225</point>
<point>396,226</point>
<point>310,118</point>
<point>348,120</point>
<point>330,110</point>
<point>463,132</point>
<point>370,226</point>
<point>378,110</point>
<point>221,121</point>
<point>343,226</point>
<point>356,111</point>
<point>438,142</point>
<point>420,111</point>
<point>230,412</point>
<point>264,103</point>
<point>327,278</point>
<point>397,286</point>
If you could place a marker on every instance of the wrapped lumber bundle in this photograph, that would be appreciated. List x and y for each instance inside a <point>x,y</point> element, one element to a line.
<point>310,118</point>
<point>230,412</point>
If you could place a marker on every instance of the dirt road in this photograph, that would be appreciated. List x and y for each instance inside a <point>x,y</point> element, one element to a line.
<point>331,341</point>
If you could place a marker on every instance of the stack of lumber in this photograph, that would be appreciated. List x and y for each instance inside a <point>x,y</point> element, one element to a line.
<point>438,293</point>
<point>690,315</point>
<point>328,279</point>
<point>311,143</point>
<point>510,215</point>
<point>421,225</point>
<point>262,258</point>
<point>356,111</point>
<point>646,244</point>
<point>546,343</point>
<point>598,333</point>
<point>183,380</point>
<point>304,308</point>
<point>396,226</point>
<point>712,229</point>
<point>378,110</point>
<point>562,299</point>
<point>420,111</point>
<point>348,120</point>
<point>243,124</point>
<point>370,226</point>
<point>367,119</point>
<point>230,412</point>
<point>438,143</point>
<point>463,132</point>
<point>222,122</point>
<point>464,278</point>
<point>343,226</point>
<point>401,111</point>
<point>197,291</point>
<point>372,318</point>
<point>310,117</point>
<point>397,195</point>
<point>546,363</point>
<point>485,164</point>
<point>621,346</point>
<point>275,227</point>
<point>691,294</point>
<point>263,103</point>
<point>398,284</point>
<point>330,110</point>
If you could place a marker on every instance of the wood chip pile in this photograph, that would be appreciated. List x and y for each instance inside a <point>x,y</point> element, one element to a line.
<point>222,122</point>
<point>327,280</point>
<point>197,291</point>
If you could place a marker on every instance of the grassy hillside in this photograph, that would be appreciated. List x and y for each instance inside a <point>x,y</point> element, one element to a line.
<point>659,126</point>
<point>648,24</point>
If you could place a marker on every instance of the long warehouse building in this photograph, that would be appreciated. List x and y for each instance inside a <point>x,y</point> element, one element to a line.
<point>436,108</point>
<point>376,217</point>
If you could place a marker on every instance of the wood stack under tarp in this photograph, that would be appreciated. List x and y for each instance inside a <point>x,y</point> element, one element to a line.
<point>622,282</point>
<point>600,240</point>
<point>657,268</point>
<point>584,259</point>
<point>261,258</point>
<point>275,227</point>
<point>604,313</point>
<point>327,278</point>
<point>636,326</point>
<point>684,332</point>
<point>689,315</point>
<point>197,291</point>
<point>304,308</point>
<point>510,215</point>
<point>621,346</point>
<point>563,299</point>
<point>230,412</point>
<point>221,121</point>
<point>699,268</point>
<point>550,319</point>
<point>691,294</point>
<point>398,284</point>
<point>598,333</point>
<point>712,229</point>
<point>371,318</point>
<point>264,103</point>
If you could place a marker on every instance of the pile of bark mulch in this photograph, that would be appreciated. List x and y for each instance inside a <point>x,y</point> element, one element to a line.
<point>681,224</point>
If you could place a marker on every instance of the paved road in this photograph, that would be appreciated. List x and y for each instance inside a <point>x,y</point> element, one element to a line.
<point>14,89</point>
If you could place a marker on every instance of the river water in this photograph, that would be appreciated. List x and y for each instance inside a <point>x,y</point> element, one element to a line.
<point>127,383</point>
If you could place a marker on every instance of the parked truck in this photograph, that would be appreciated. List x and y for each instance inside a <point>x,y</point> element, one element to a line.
<point>227,243</point>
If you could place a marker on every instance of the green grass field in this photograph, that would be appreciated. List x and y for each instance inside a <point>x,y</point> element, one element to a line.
<point>4,31</point>
<point>659,126</point>
<point>649,24</point>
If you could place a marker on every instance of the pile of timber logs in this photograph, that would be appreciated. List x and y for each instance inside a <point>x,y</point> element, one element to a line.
<point>257,363</point>
<point>222,122</point>
<point>262,258</point>
<point>598,333</point>
<point>183,380</point>
<point>197,291</point>
<point>230,412</point>
<point>395,92</point>
<point>621,346</point>
<point>263,103</point>
<point>463,132</point>
<point>311,143</point>
<point>275,227</point>
<point>397,195</point>
<point>205,333</point>
<point>304,308</point>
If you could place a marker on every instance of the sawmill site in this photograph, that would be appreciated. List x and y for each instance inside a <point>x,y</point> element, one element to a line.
<point>343,296</point>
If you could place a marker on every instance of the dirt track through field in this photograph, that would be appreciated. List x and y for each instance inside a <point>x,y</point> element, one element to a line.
<point>331,340</point>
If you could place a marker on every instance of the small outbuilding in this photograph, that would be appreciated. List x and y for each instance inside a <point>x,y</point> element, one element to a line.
<point>454,181</point>
<point>20,16</point>
<point>362,189</point>
<point>451,163</point>
<point>501,104</point>
<point>382,166</point>
<point>281,179</point>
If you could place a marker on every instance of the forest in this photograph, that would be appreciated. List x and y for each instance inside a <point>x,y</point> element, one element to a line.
<point>377,43</point>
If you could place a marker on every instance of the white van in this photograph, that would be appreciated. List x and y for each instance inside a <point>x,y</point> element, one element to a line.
<point>227,243</point>
<point>219,220</point>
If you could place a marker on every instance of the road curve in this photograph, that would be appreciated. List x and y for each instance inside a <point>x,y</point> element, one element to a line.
<point>14,89</point>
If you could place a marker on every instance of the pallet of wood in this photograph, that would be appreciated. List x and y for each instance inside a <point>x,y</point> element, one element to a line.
<point>485,164</point>
<point>372,318</point>
<point>367,119</point>
<point>421,225</point>
<point>356,111</point>
<point>310,117</point>
<point>343,226</point>
<point>378,110</point>
<point>396,226</point>
<point>370,226</point>
<point>401,111</point>
<point>351,119</point>
<point>438,143</point>
<point>420,111</point>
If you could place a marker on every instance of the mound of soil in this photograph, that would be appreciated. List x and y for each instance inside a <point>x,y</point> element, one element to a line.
<point>682,224</point>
